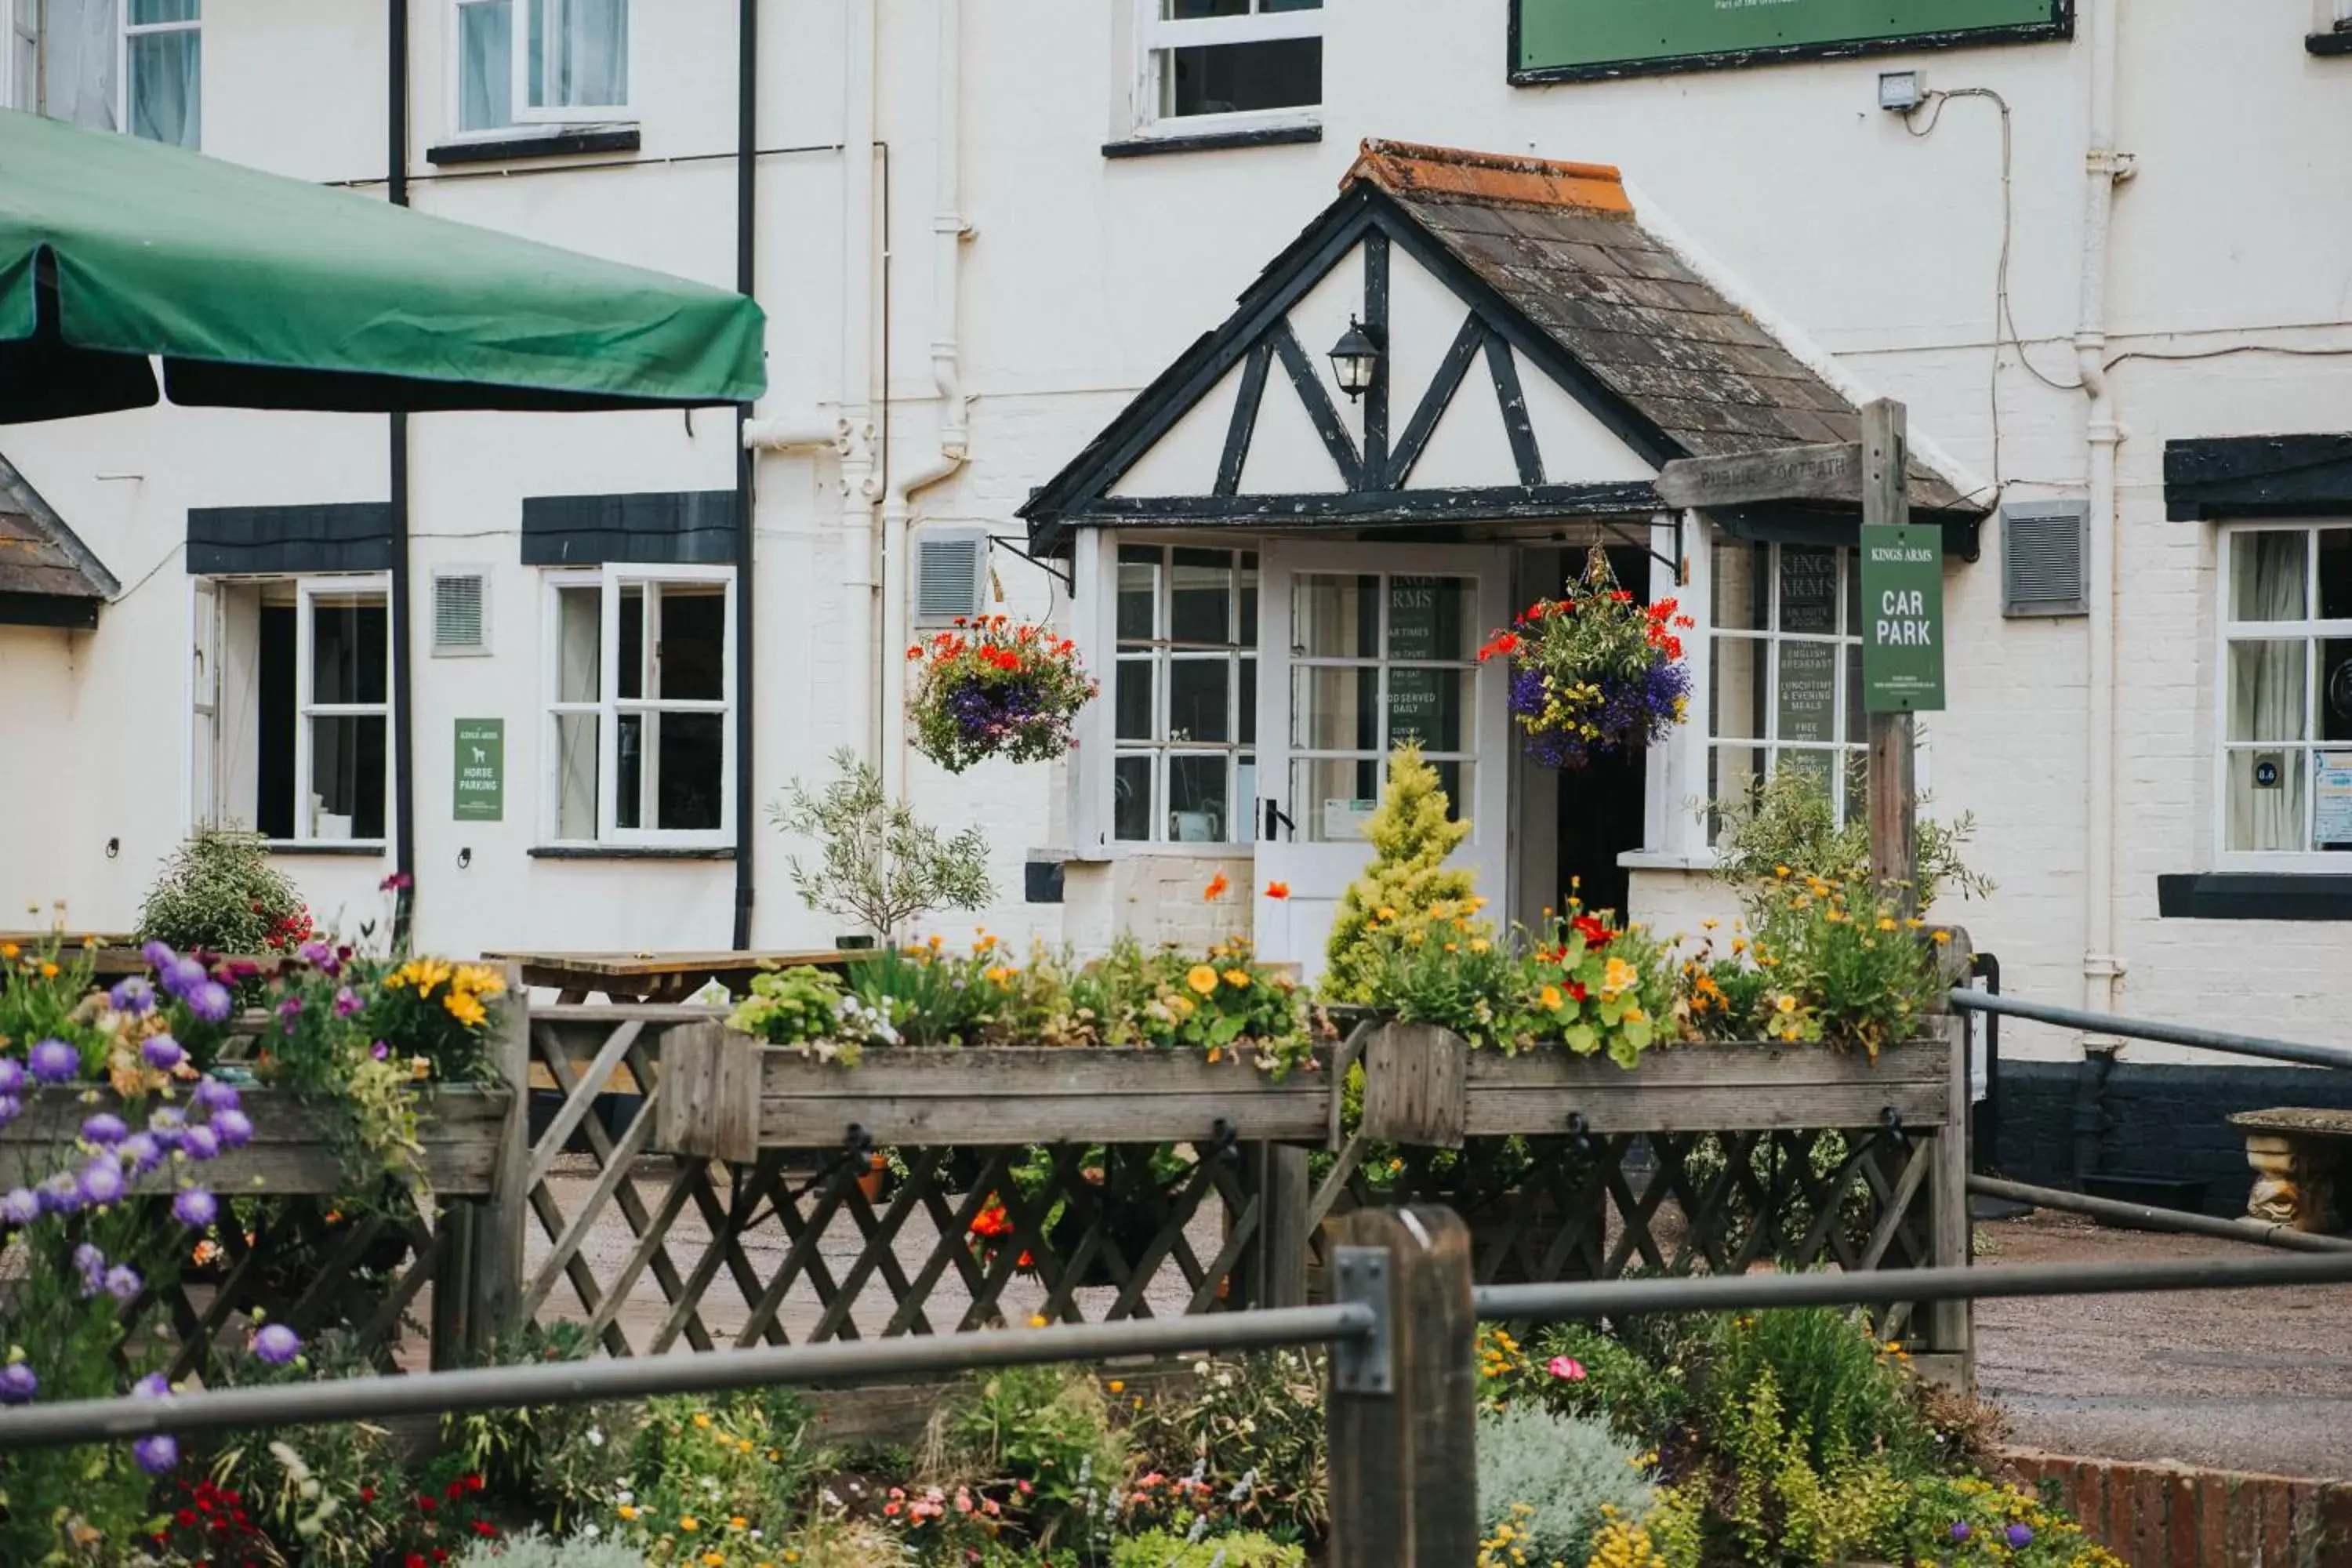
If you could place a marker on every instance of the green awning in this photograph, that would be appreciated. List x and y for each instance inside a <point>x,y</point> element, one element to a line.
<point>259,291</point>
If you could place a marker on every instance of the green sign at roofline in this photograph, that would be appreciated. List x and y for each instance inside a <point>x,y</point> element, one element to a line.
<point>1902,618</point>
<point>1565,39</point>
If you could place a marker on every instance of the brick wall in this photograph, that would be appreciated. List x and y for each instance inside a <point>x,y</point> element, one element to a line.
<point>2166,1515</point>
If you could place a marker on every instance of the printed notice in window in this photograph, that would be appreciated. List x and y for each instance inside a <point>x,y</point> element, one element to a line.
<point>2331,789</point>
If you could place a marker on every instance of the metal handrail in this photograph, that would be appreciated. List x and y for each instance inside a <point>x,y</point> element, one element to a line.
<point>1969,1001</point>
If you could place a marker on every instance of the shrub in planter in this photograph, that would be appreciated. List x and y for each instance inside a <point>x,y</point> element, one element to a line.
<point>877,862</point>
<point>1408,884</point>
<point>219,893</point>
<point>988,688</point>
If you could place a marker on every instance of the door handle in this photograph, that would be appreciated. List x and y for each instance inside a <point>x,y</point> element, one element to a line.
<point>1274,815</point>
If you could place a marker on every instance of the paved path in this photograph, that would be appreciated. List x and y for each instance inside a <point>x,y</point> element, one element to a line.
<point>2245,1380</point>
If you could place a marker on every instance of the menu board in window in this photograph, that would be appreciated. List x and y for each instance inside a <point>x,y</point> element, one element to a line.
<point>1426,617</point>
<point>1809,589</point>
<point>1807,692</point>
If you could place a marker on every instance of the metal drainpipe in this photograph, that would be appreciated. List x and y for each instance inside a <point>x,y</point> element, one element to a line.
<point>861,484</point>
<point>747,147</point>
<point>404,687</point>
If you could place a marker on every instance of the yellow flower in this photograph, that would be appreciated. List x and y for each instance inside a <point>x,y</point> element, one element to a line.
<point>1202,978</point>
<point>1786,1004</point>
<point>9,949</point>
<point>1480,945</point>
<point>1385,913</point>
<point>1887,922</point>
<point>466,1008</point>
<point>1780,870</point>
<point>479,977</point>
<point>739,1522</point>
<point>1552,998</point>
<point>625,1512</point>
<point>1116,1386</point>
<point>1618,978</point>
<point>1942,937</point>
<point>701,1419</point>
<point>689,1524</point>
<point>714,1560</point>
<point>1000,974</point>
<point>48,971</point>
<point>1036,1319</point>
<point>1238,978</point>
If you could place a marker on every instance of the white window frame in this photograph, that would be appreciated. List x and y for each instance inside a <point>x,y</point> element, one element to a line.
<point>2311,632</point>
<point>308,592</point>
<point>1154,34</point>
<point>609,708</point>
<point>129,30</point>
<point>1843,751</point>
<point>522,117</point>
<point>1242,671</point>
<point>20,20</point>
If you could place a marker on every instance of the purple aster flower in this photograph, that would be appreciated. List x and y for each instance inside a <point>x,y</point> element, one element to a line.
<point>211,1002</point>
<point>162,1053</point>
<point>320,957</point>
<point>21,1207</point>
<point>165,1125</point>
<point>2020,1535</point>
<point>232,1127</point>
<point>122,1283</point>
<point>182,976</point>
<point>157,1454</point>
<point>101,1180</point>
<point>200,1142</point>
<point>18,1384</point>
<point>277,1344</point>
<point>12,1076</point>
<point>54,1061</point>
<point>196,1208</point>
<point>158,956</point>
<point>61,1194</point>
<point>132,995</point>
<point>91,1263</point>
<point>142,1151</point>
<point>210,1094</point>
<point>155,1386</point>
<point>106,1130</point>
<point>1960,1529</point>
<point>347,1002</point>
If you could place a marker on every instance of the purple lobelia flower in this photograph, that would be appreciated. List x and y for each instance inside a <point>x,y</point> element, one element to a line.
<point>106,1130</point>
<point>101,1180</point>
<point>155,1386</point>
<point>134,995</point>
<point>162,1053</point>
<point>12,1076</point>
<point>142,1152</point>
<point>200,1142</point>
<point>233,1128</point>
<point>277,1344</point>
<point>156,1454</point>
<point>2020,1535</point>
<point>182,976</point>
<point>379,1050</point>
<point>196,1208</point>
<point>210,1094</point>
<point>122,1283</point>
<point>18,1384</point>
<point>21,1207</point>
<point>159,957</point>
<point>211,1002</point>
<point>54,1061</point>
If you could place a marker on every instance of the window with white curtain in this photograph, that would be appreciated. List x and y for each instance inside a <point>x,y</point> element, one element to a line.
<point>1213,64</point>
<point>1785,685</point>
<point>64,60</point>
<point>640,736</point>
<point>527,62</point>
<point>1184,695</point>
<point>162,71</point>
<point>2286,690</point>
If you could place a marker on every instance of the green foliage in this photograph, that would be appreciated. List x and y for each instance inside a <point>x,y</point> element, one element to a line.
<point>1645,1402</point>
<point>565,1458</point>
<point>219,893</point>
<point>532,1549</point>
<point>1546,1478</point>
<point>1039,1438</point>
<point>790,1007</point>
<point>42,993</point>
<point>1849,961</point>
<point>336,1491</point>
<point>1161,1548</point>
<point>1965,1522</point>
<point>1411,838</point>
<point>1241,1446</point>
<point>1790,1505</point>
<point>877,862</point>
<point>1582,981</point>
<point>1840,1393</point>
<point>1791,820</point>
<point>704,1474</point>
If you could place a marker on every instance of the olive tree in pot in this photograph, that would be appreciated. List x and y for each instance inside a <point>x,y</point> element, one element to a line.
<point>876,862</point>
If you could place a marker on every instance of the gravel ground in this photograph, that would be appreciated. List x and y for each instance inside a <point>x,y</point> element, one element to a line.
<point>2244,1380</point>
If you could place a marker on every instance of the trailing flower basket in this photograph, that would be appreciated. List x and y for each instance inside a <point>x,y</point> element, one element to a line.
<point>1594,674</point>
<point>1424,1085</point>
<point>727,1097</point>
<point>988,688</point>
<point>293,1151</point>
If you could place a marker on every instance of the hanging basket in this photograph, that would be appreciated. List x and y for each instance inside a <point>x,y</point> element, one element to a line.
<point>1593,674</point>
<point>989,688</point>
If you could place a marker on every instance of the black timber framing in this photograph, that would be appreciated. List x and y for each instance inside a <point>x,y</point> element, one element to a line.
<point>1238,435</point>
<point>1376,396</point>
<point>1513,397</point>
<point>1319,409</point>
<point>2058,28</point>
<point>1356,509</point>
<point>664,528</point>
<point>2258,475</point>
<point>1439,397</point>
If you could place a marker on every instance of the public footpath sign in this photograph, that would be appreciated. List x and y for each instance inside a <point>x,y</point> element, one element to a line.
<point>482,770</point>
<point>1902,618</point>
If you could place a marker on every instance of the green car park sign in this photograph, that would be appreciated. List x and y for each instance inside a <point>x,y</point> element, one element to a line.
<point>1568,40</point>
<point>1902,618</point>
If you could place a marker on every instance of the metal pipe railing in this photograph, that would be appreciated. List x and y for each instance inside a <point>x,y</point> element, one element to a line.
<point>1969,1001</point>
<point>1764,1292</point>
<point>69,1422</point>
<point>2262,1233</point>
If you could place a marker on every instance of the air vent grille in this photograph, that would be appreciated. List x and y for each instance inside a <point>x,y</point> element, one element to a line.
<point>951,575</point>
<point>2043,544</point>
<point>458,626</point>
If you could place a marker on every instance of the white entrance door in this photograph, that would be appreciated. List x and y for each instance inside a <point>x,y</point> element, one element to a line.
<point>1367,647</point>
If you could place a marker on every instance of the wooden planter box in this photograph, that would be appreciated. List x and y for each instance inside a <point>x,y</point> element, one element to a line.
<point>727,1097</point>
<point>1424,1085</point>
<point>291,1153</point>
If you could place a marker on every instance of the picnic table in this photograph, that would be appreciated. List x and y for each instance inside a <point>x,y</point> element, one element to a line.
<point>656,977</point>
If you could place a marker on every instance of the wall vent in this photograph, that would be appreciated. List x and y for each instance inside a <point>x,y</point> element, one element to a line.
<point>460,614</point>
<point>2043,548</point>
<point>951,574</point>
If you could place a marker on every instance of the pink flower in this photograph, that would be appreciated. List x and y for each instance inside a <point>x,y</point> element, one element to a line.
<point>1567,1367</point>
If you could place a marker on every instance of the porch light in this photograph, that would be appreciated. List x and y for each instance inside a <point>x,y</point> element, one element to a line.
<point>1355,359</point>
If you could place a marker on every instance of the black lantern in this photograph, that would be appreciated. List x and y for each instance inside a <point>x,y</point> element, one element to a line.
<point>1355,359</point>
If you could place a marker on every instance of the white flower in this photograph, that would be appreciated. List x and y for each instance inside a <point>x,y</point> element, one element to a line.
<point>596,1438</point>
<point>625,1497</point>
<point>592,1531</point>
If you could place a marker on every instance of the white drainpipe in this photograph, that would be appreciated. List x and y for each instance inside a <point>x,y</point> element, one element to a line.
<point>798,433</point>
<point>861,486</point>
<point>948,233</point>
<point>2103,169</point>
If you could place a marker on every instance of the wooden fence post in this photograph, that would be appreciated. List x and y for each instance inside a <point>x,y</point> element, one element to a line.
<point>495,1282</point>
<point>1277,1172</point>
<point>1404,1459</point>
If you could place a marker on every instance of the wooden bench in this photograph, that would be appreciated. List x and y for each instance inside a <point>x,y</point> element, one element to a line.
<point>2301,1158</point>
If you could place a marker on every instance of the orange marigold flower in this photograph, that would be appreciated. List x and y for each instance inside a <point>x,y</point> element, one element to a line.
<point>1216,889</point>
<point>1277,889</point>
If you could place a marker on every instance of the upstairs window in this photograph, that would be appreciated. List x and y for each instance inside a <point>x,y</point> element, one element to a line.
<point>2286,692</point>
<point>163,60</point>
<point>92,63</point>
<point>1208,64</point>
<point>536,62</point>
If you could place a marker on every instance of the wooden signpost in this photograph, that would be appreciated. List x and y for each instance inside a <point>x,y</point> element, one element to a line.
<point>1902,598</point>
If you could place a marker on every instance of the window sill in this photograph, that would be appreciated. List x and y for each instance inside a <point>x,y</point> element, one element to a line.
<point>631,852</point>
<point>1701,863</point>
<point>528,143</point>
<point>372,849</point>
<point>2328,43</point>
<point>1214,140</point>
<point>2254,895</point>
<point>1136,849</point>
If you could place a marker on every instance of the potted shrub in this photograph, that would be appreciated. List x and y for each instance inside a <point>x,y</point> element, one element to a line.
<point>877,862</point>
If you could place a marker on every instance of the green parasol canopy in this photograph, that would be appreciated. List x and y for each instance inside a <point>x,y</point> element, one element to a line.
<point>259,291</point>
